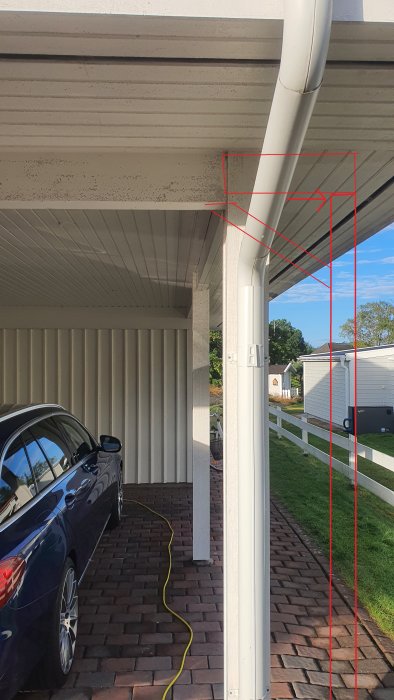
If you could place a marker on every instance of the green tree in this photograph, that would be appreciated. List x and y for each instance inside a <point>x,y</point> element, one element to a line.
<point>215,358</point>
<point>375,324</point>
<point>286,342</point>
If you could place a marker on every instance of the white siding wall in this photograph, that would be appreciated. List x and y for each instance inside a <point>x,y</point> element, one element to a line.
<point>317,391</point>
<point>375,385</point>
<point>273,389</point>
<point>130,383</point>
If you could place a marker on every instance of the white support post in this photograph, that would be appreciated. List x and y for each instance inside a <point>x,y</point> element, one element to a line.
<point>201,427</point>
<point>305,434</point>
<point>232,241</point>
<point>279,422</point>
<point>352,458</point>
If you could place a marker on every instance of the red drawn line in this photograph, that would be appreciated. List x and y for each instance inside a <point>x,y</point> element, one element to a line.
<point>305,155</point>
<point>288,192</point>
<point>275,252</point>
<point>355,442</point>
<point>330,463</point>
<point>278,233</point>
<point>339,194</point>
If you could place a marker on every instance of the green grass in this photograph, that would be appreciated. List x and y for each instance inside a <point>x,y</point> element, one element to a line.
<point>301,483</point>
<point>383,443</point>
<point>294,408</point>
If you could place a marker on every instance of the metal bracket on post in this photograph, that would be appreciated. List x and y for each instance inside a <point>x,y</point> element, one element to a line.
<point>255,356</point>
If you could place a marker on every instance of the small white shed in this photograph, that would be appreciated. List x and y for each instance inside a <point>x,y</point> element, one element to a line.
<point>279,380</point>
<point>375,381</point>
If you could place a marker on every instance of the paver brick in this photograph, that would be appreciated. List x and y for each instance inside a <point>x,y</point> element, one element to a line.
<point>112,694</point>
<point>165,677</point>
<point>134,678</point>
<point>209,675</point>
<point>299,662</point>
<point>281,690</point>
<point>372,666</point>
<point>147,692</point>
<point>382,694</point>
<point>364,680</point>
<point>193,692</point>
<point>287,675</point>
<point>321,678</point>
<point>314,692</point>
<point>312,652</point>
<point>97,679</point>
<point>348,694</point>
<point>153,663</point>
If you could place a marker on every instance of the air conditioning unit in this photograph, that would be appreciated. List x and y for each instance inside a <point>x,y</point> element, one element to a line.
<point>370,419</point>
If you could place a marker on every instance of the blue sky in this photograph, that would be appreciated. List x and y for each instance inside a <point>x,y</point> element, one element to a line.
<point>306,305</point>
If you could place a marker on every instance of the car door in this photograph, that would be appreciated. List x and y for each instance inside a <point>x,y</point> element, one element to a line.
<point>30,532</point>
<point>49,454</point>
<point>85,453</point>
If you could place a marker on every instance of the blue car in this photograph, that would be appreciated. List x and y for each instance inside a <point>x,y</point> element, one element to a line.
<point>59,490</point>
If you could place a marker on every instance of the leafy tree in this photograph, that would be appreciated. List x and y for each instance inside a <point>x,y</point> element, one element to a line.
<point>286,342</point>
<point>375,324</point>
<point>215,358</point>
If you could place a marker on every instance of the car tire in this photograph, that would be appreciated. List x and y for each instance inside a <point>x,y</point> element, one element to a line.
<point>116,511</point>
<point>63,627</point>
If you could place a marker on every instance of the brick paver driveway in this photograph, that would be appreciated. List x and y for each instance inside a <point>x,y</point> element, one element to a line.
<point>129,649</point>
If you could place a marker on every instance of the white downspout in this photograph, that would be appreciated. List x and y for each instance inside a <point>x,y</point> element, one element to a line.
<point>305,45</point>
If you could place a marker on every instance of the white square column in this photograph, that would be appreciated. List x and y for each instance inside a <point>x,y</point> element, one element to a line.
<point>201,424</point>
<point>246,483</point>
<point>232,242</point>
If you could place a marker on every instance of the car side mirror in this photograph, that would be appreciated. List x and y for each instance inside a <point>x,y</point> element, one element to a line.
<point>110,444</point>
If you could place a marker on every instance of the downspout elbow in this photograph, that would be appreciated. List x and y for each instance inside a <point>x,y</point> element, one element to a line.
<point>306,37</point>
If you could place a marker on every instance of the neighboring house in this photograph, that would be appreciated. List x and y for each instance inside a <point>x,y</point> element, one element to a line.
<point>279,380</point>
<point>375,386</point>
<point>334,347</point>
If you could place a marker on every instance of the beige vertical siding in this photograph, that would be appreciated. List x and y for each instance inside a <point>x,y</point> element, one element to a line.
<point>130,383</point>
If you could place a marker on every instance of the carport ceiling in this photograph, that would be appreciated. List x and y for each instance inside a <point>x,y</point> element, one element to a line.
<point>100,258</point>
<point>151,86</point>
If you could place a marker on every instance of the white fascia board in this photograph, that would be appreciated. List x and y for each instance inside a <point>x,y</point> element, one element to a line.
<point>384,351</point>
<point>344,10</point>
<point>320,358</point>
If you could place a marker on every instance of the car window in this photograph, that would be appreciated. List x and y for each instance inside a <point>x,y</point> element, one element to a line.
<point>80,440</point>
<point>17,485</point>
<point>42,471</point>
<point>53,445</point>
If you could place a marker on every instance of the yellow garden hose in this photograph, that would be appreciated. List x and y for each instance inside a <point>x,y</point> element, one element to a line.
<point>164,593</point>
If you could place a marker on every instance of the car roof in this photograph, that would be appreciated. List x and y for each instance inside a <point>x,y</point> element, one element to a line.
<point>15,416</point>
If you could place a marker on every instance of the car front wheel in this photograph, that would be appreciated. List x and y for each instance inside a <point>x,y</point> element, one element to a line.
<point>63,629</point>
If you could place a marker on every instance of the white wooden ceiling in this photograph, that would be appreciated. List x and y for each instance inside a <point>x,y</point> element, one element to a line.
<point>100,258</point>
<point>144,84</point>
<point>149,105</point>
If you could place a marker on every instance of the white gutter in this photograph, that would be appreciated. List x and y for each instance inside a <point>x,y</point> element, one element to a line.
<point>305,43</point>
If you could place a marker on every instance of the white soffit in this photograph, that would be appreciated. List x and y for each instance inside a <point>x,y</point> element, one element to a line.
<point>367,10</point>
<point>100,258</point>
<point>135,85</point>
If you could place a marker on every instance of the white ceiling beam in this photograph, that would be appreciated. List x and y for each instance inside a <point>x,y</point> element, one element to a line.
<point>348,10</point>
<point>109,181</point>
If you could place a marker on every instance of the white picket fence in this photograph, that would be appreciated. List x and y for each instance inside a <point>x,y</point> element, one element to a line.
<point>347,443</point>
<point>290,393</point>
